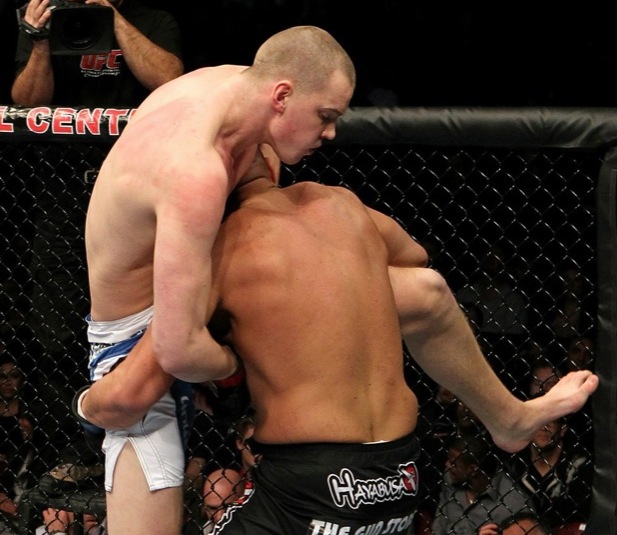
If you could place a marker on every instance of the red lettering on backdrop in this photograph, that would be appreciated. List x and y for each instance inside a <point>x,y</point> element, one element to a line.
<point>89,120</point>
<point>5,127</point>
<point>114,120</point>
<point>36,119</point>
<point>62,121</point>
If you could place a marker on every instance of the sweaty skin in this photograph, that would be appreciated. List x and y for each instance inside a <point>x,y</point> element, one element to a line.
<point>302,271</point>
<point>319,290</point>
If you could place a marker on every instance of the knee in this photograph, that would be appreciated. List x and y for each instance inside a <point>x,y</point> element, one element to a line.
<point>422,297</point>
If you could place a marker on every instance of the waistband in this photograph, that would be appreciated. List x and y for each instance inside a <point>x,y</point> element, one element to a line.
<point>111,332</point>
<point>334,451</point>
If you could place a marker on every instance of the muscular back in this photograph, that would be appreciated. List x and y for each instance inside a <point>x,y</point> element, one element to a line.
<point>302,271</point>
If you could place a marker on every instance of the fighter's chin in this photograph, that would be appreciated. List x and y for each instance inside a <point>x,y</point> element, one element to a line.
<point>297,158</point>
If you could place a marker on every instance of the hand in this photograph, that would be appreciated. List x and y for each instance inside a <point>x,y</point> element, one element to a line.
<point>488,529</point>
<point>104,3</point>
<point>57,520</point>
<point>201,399</point>
<point>37,13</point>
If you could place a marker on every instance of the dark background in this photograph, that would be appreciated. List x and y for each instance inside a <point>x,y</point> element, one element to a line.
<point>424,54</point>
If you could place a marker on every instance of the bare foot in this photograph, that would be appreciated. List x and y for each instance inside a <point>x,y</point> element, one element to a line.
<point>567,396</point>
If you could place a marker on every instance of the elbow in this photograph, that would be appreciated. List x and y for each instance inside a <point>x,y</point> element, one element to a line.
<point>115,410</point>
<point>167,357</point>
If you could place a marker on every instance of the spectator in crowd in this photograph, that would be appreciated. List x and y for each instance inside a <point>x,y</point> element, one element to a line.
<point>146,54</point>
<point>222,488</point>
<point>557,476</point>
<point>31,429</point>
<point>502,311</point>
<point>571,316</point>
<point>521,523</point>
<point>440,413</point>
<point>474,492</point>
<point>242,431</point>
<point>579,354</point>
<point>214,449</point>
<point>17,428</point>
<point>56,521</point>
<point>435,434</point>
<point>61,522</point>
<point>209,448</point>
<point>543,375</point>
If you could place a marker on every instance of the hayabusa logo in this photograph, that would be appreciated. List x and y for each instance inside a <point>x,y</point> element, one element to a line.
<point>345,489</point>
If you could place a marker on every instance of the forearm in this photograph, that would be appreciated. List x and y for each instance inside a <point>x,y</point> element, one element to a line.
<point>150,64</point>
<point>34,85</point>
<point>202,359</point>
<point>123,396</point>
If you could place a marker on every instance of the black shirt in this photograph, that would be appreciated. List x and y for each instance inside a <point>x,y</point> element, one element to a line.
<point>104,80</point>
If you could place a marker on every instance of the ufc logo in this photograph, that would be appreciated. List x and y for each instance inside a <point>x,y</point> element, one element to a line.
<point>98,62</point>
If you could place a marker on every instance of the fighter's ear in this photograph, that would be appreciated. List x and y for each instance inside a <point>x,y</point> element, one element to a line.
<point>281,92</point>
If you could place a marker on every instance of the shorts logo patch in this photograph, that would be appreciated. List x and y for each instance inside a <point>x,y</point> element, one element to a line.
<point>347,491</point>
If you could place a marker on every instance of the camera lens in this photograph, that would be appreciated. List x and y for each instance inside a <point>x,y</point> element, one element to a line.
<point>77,28</point>
<point>81,30</point>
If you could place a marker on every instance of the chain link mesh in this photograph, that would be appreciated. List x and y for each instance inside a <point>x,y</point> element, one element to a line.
<point>533,209</point>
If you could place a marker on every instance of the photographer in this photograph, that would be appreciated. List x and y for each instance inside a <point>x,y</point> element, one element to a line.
<point>145,54</point>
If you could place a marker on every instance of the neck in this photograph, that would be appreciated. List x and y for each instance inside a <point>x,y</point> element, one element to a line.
<point>254,187</point>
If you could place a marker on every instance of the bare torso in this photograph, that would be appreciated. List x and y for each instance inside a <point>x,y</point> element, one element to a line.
<point>145,171</point>
<point>303,273</point>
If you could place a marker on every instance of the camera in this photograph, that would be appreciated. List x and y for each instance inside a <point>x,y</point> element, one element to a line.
<point>76,28</point>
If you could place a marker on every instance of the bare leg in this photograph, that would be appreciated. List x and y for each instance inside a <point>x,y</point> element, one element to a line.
<point>441,341</point>
<point>132,508</point>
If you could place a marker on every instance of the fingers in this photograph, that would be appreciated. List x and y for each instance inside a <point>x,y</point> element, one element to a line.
<point>37,13</point>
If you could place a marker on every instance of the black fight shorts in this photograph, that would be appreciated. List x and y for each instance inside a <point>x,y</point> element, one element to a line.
<point>329,489</point>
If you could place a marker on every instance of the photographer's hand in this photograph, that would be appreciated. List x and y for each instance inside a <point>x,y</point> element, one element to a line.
<point>37,13</point>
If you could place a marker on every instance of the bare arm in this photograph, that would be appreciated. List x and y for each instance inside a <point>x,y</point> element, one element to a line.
<point>440,339</point>
<point>149,63</point>
<point>34,85</point>
<point>124,395</point>
<point>188,216</point>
